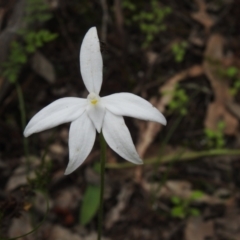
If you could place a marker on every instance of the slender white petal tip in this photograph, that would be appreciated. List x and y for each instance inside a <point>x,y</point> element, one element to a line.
<point>118,138</point>
<point>91,63</point>
<point>163,119</point>
<point>60,111</point>
<point>130,105</point>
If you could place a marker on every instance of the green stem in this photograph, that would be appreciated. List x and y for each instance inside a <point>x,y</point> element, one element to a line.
<point>186,156</point>
<point>23,122</point>
<point>103,160</point>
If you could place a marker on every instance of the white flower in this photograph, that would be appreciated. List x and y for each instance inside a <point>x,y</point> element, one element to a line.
<point>103,114</point>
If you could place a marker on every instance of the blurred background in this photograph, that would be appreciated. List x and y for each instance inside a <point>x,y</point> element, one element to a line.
<point>183,57</point>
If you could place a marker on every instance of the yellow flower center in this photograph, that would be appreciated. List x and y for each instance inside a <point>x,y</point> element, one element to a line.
<point>93,98</point>
<point>94,101</point>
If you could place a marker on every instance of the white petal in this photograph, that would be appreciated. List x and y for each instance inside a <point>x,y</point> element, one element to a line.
<point>91,63</point>
<point>82,135</point>
<point>60,111</point>
<point>96,114</point>
<point>118,137</point>
<point>127,104</point>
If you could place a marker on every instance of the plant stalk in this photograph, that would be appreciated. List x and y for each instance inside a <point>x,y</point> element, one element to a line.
<point>103,160</point>
<point>186,156</point>
<point>23,123</point>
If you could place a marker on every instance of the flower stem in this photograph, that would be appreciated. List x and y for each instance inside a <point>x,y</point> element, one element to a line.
<point>23,123</point>
<point>103,160</point>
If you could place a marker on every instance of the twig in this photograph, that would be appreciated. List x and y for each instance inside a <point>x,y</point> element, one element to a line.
<point>187,156</point>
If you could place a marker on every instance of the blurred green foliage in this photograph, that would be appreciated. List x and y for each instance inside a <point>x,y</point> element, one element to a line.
<point>37,12</point>
<point>90,203</point>
<point>179,50</point>
<point>231,73</point>
<point>234,74</point>
<point>42,176</point>
<point>150,22</point>
<point>30,39</point>
<point>179,101</point>
<point>182,207</point>
<point>215,138</point>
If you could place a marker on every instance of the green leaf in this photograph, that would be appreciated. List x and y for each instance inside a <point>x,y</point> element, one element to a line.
<point>196,194</point>
<point>30,48</point>
<point>237,83</point>
<point>178,212</point>
<point>176,200</point>
<point>221,125</point>
<point>90,204</point>
<point>97,167</point>
<point>194,212</point>
<point>232,71</point>
<point>12,78</point>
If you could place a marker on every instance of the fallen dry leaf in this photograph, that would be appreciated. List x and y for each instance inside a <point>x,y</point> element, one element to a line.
<point>19,175</point>
<point>60,233</point>
<point>234,108</point>
<point>114,215</point>
<point>43,67</point>
<point>229,225</point>
<point>42,202</point>
<point>198,229</point>
<point>217,110</point>
<point>68,198</point>
<point>20,226</point>
<point>93,236</point>
<point>202,16</point>
<point>181,189</point>
<point>57,148</point>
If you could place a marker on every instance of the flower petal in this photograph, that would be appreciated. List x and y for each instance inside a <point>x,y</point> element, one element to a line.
<point>82,135</point>
<point>127,104</point>
<point>118,137</point>
<point>60,111</point>
<point>91,63</point>
<point>96,114</point>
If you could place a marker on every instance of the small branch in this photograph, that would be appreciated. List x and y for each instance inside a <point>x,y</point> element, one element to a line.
<point>187,156</point>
